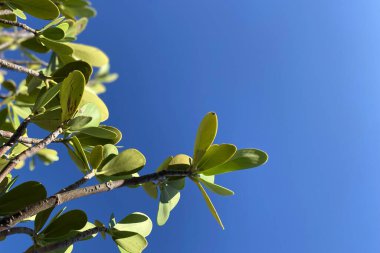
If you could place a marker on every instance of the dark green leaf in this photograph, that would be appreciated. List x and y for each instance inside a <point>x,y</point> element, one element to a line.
<point>21,196</point>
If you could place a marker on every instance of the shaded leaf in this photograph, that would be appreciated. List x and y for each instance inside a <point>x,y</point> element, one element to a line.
<point>21,196</point>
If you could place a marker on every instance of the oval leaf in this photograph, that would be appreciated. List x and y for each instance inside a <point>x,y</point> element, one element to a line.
<point>243,159</point>
<point>216,155</point>
<point>127,162</point>
<point>43,9</point>
<point>92,55</point>
<point>205,136</point>
<point>71,94</point>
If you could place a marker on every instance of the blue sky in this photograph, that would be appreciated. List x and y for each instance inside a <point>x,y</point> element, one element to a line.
<point>298,79</point>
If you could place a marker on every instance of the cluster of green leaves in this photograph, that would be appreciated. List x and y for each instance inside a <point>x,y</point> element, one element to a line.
<point>68,97</point>
<point>208,161</point>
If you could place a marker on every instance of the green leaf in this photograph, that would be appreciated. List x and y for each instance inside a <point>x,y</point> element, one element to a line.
<point>48,156</point>
<point>46,96</point>
<point>151,189</point>
<point>53,33</point>
<point>216,155</point>
<point>71,93</point>
<point>90,97</point>
<point>137,223</point>
<point>169,199</point>
<point>35,45</point>
<point>99,132</point>
<point>134,243</point>
<point>92,55</point>
<point>60,74</point>
<point>43,9</point>
<point>79,122</point>
<point>41,219</point>
<point>72,220</point>
<point>243,159</point>
<point>58,47</point>
<point>209,204</point>
<point>205,136</point>
<point>96,156</point>
<point>218,189</point>
<point>21,196</point>
<point>180,162</point>
<point>128,162</point>
<point>92,111</point>
<point>79,152</point>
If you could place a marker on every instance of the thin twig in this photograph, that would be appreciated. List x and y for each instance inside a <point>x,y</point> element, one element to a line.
<point>70,241</point>
<point>27,140</point>
<point>18,230</point>
<point>29,152</point>
<point>61,198</point>
<point>26,62</point>
<point>12,66</point>
<point>78,183</point>
<point>18,24</point>
<point>14,138</point>
<point>5,12</point>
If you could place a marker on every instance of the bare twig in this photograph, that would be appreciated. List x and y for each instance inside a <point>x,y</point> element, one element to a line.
<point>5,12</point>
<point>27,140</point>
<point>61,198</point>
<point>26,62</point>
<point>17,230</point>
<point>14,138</point>
<point>29,152</point>
<point>18,24</point>
<point>10,65</point>
<point>78,183</point>
<point>70,241</point>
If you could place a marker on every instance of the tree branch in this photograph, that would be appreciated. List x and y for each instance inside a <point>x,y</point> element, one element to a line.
<point>29,152</point>
<point>5,12</point>
<point>27,140</point>
<point>12,66</point>
<point>14,138</point>
<point>78,183</point>
<point>18,24</point>
<point>70,241</point>
<point>66,196</point>
<point>18,230</point>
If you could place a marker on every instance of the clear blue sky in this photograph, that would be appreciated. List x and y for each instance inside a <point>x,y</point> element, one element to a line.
<point>298,79</point>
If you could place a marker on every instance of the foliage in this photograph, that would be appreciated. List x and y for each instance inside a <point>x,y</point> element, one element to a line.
<point>62,97</point>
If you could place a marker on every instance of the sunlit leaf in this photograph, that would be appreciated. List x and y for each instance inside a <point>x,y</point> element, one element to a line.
<point>209,204</point>
<point>205,136</point>
<point>71,93</point>
<point>242,159</point>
